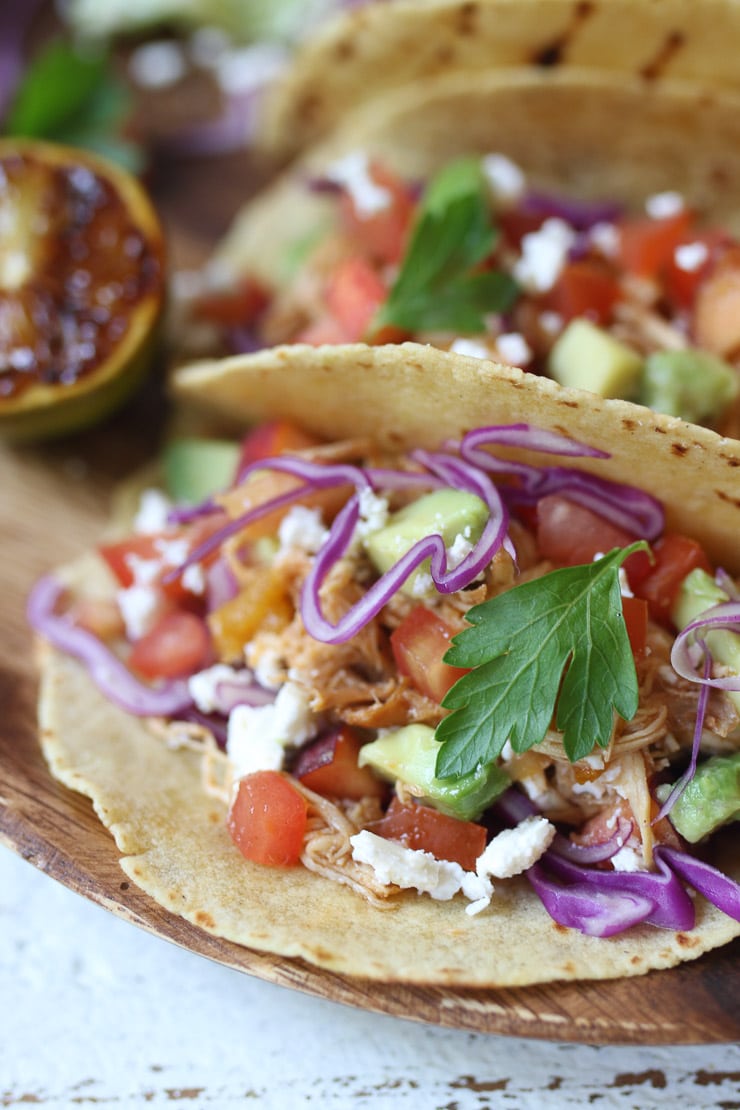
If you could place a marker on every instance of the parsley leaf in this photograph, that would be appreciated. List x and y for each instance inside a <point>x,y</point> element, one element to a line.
<point>437,288</point>
<point>75,99</point>
<point>558,639</point>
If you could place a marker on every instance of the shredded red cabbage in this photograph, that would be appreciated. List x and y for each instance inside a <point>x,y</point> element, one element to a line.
<point>597,913</point>
<point>686,646</point>
<point>722,891</point>
<point>582,215</point>
<point>107,671</point>
<point>701,712</point>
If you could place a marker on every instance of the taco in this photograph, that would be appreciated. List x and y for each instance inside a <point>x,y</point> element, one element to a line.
<point>380,48</point>
<point>575,225</point>
<point>420,702</point>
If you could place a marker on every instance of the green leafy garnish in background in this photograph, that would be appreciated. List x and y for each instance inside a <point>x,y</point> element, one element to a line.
<point>75,99</point>
<point>438,287</point>
<point>558,639</point>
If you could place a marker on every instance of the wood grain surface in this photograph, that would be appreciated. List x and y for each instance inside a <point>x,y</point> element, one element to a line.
<point>53,502</point>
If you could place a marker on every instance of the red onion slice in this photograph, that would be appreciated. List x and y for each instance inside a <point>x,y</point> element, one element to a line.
<point>107,671</point>
<point>726,615</point>
<point>586,854</point>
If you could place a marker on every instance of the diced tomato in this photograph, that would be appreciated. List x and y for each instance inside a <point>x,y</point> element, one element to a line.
<point>329,766</point>
<point>584,289</point>
<point>681,283</point>
<point>277,437</point>
<point>717,307</point>
<point>322,333</point>
<point>419,645</point>
<point>646,245</point>
<point>354,294</point>
<point>426,829</point>
<point>635,611</point>
<point>382,234</point>
<point>515,224</point>
<point>267,819</point>
<point>674,556</point>
<point>570,534</point>
<point>232,307</point>
<point>177,645</point>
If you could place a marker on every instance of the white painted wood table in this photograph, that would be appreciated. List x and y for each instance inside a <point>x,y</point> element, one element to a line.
<point>94,1011</point>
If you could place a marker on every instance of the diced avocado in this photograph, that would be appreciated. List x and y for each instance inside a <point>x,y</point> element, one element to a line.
<point>700,592</point>
<point>695,385</point>
<point>448,513</point>
<point>711,799</point>
<point>586,357</point>
<point>194,469</point>
<point>409,755</point>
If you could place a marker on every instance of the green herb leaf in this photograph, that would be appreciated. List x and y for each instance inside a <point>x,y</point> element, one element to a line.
<point>558,639</point>
<point>74,99</point>
<point>437,288</point>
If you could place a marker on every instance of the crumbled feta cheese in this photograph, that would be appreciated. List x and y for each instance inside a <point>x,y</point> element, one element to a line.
<point>248,67</point>
<point>514,349</point>
<point>470,347</point>
<point>203,686</point>
<point>155,65</point>
<point>140,607</point>
<point>421,585</point>
<point>407,867</point>
<point>605,238</point>
<point>173,552</point>
<point>691,256</point>
<point>302,528</point>
<point>153,511</point>
<point>267,665</point>
<point>514,850</point>
<point>505,179</point>
<point>544,253</point>
<point>628,859</point>
<point>373,515</point>
<point>194,579</point>
<point>662,205</point>
<point>624,586</point>
<point>458,550</point>
<point>551,322</point>
<point>143,571</point>
<point>257,736</point>
<point>353,173</point>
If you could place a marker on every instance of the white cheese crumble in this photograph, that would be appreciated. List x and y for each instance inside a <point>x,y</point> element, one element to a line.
<point>544,253</point>
<point>459,549</point>
<point>411,868</point>
<point>470,347</point>
<point>505,179</point>
<point>266,664</point>
<point>628,859</point>
<point>662,205</point>
<point>551,322</point>
<point>514,349</point>
<point>689,257</point>
<point>140,607</point>
<point>302,528</point>
<point>353,174</point>
<point>244,68</point>
<point>257,736</point>
<point>373,515</point>
<point>605,238</point>
<point>153,511</point>
<point>194,579</point>
<point>155,65</point>
<point>203,686</point>
<point>514,850</point>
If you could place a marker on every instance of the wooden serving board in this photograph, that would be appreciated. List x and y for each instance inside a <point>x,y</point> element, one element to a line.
<point>53,503</point>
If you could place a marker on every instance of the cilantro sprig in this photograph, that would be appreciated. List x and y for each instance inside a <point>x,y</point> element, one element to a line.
<point>556,640</point>
<point>438,287</point>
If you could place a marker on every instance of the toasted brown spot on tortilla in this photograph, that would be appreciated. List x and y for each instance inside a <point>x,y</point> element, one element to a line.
<point>124,886</point>
<point>686,941</point>
<point>673,42</point>
<point>726,497</point>
<point>445,54</point>
<point>467,19</point>
<point>628,424</point>
<point>205,919</point>
<point>344,50</point>
<point>309,108</point>
<point>635,961</point>
<point>554,53</point>
<point>680,449</point>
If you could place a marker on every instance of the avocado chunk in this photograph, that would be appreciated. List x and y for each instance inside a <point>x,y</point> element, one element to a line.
<point>448,513</point>
<point>409,755</point>
<point>194,469</point>
<point>695,385</point>
<point>699,592</point>
<point>586,357</point>
<point>710,800</point>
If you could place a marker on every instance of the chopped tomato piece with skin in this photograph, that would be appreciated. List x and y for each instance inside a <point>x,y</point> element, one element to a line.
<point>233,307</point>
<point>381,234</point>
<point>674,556</point>
<point>646,245</point>
<point>571,534</point>
<point>178,645</point>
<point>277,437</point>
<point>584,289</point>
<point>419,645</point>
<point>635,611</point>
<point>515,224</point>
<point>426,829</point>
<point>354,294</point>
<point>329,766</point>
<point>267,820</point>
